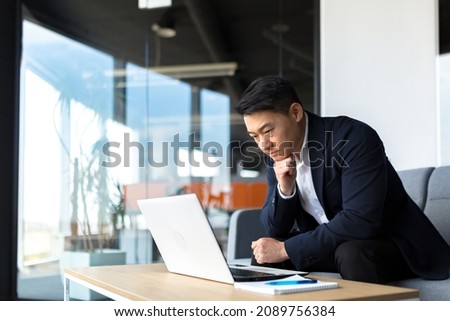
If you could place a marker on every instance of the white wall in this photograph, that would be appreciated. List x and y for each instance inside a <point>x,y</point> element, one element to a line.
<point>378,64</point>
<point>444,103</point>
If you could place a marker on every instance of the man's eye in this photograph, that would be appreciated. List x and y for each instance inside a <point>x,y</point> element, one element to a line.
<point>267,132</point>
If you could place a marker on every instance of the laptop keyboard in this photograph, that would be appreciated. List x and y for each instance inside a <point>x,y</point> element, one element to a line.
<point>244,272</point>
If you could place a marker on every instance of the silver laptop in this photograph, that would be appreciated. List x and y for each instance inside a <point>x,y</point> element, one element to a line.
<point>187,244</point>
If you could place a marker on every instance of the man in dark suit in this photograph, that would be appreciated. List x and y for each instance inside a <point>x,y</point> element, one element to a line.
<point>334,201</point>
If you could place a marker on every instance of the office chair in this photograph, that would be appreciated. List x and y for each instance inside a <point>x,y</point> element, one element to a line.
<point>244,228</point>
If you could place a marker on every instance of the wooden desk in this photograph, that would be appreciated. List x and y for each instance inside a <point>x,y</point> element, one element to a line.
<point>148,282</point>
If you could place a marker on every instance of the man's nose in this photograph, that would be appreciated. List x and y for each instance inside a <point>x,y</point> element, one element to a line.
<point>264,144</point>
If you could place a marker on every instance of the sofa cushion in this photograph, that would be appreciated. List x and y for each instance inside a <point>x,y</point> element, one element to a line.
<point>428,290</point>
<point>415,182</point>
<point>436,290</point>
<point>437,206</point>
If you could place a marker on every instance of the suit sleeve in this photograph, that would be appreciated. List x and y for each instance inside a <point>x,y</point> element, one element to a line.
<point>278,214</point>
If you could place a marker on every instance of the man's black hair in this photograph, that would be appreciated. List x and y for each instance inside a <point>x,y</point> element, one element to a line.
<point>273,93</point>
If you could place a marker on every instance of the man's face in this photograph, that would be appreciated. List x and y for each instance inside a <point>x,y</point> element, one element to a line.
<point>276,134</point>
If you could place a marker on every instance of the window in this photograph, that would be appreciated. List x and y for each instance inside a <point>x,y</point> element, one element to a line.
<point>96,135</point>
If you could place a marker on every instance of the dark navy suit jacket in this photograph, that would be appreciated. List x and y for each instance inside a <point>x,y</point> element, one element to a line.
<point>362,196</point>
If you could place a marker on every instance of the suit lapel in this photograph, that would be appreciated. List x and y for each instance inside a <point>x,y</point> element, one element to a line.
<point>316,148</point>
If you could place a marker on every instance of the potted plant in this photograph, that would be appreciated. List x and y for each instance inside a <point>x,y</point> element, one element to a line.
<point>93,199</point>
<point>97,206</point>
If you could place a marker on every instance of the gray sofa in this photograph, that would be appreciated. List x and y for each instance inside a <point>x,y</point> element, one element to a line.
<point>428,187</point>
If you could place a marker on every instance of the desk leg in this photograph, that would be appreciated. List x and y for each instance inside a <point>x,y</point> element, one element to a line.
<point>66,289</point>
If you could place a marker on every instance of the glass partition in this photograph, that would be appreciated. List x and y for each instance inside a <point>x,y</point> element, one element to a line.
<point>97,134</point>
<point>66,110</point>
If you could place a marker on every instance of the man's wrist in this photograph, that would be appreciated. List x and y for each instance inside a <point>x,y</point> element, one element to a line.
<point>285,255</point>
<point>286,196</point>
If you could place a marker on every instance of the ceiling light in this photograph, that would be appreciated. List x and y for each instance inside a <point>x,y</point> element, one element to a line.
<point>198,70</point>
<point>220,69</point>
<point>167,31</point>
<point>165,26</point>
<point>152,4</point>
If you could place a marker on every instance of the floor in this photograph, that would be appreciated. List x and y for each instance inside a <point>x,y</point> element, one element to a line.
<point>42,282</point>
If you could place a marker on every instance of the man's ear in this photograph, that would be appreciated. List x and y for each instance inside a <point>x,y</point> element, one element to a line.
<point>296,111</point>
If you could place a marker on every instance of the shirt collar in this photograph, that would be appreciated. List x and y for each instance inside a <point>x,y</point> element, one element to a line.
<point>305,140</point>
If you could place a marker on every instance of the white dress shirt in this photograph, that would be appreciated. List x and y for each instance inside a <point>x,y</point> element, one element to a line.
<point>307,193</point>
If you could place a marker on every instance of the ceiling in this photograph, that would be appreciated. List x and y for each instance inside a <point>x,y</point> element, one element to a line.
<point>207,31</point>
<point>245,31</point>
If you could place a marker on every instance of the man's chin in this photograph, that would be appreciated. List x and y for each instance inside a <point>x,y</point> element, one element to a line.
<point>277,157</point>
